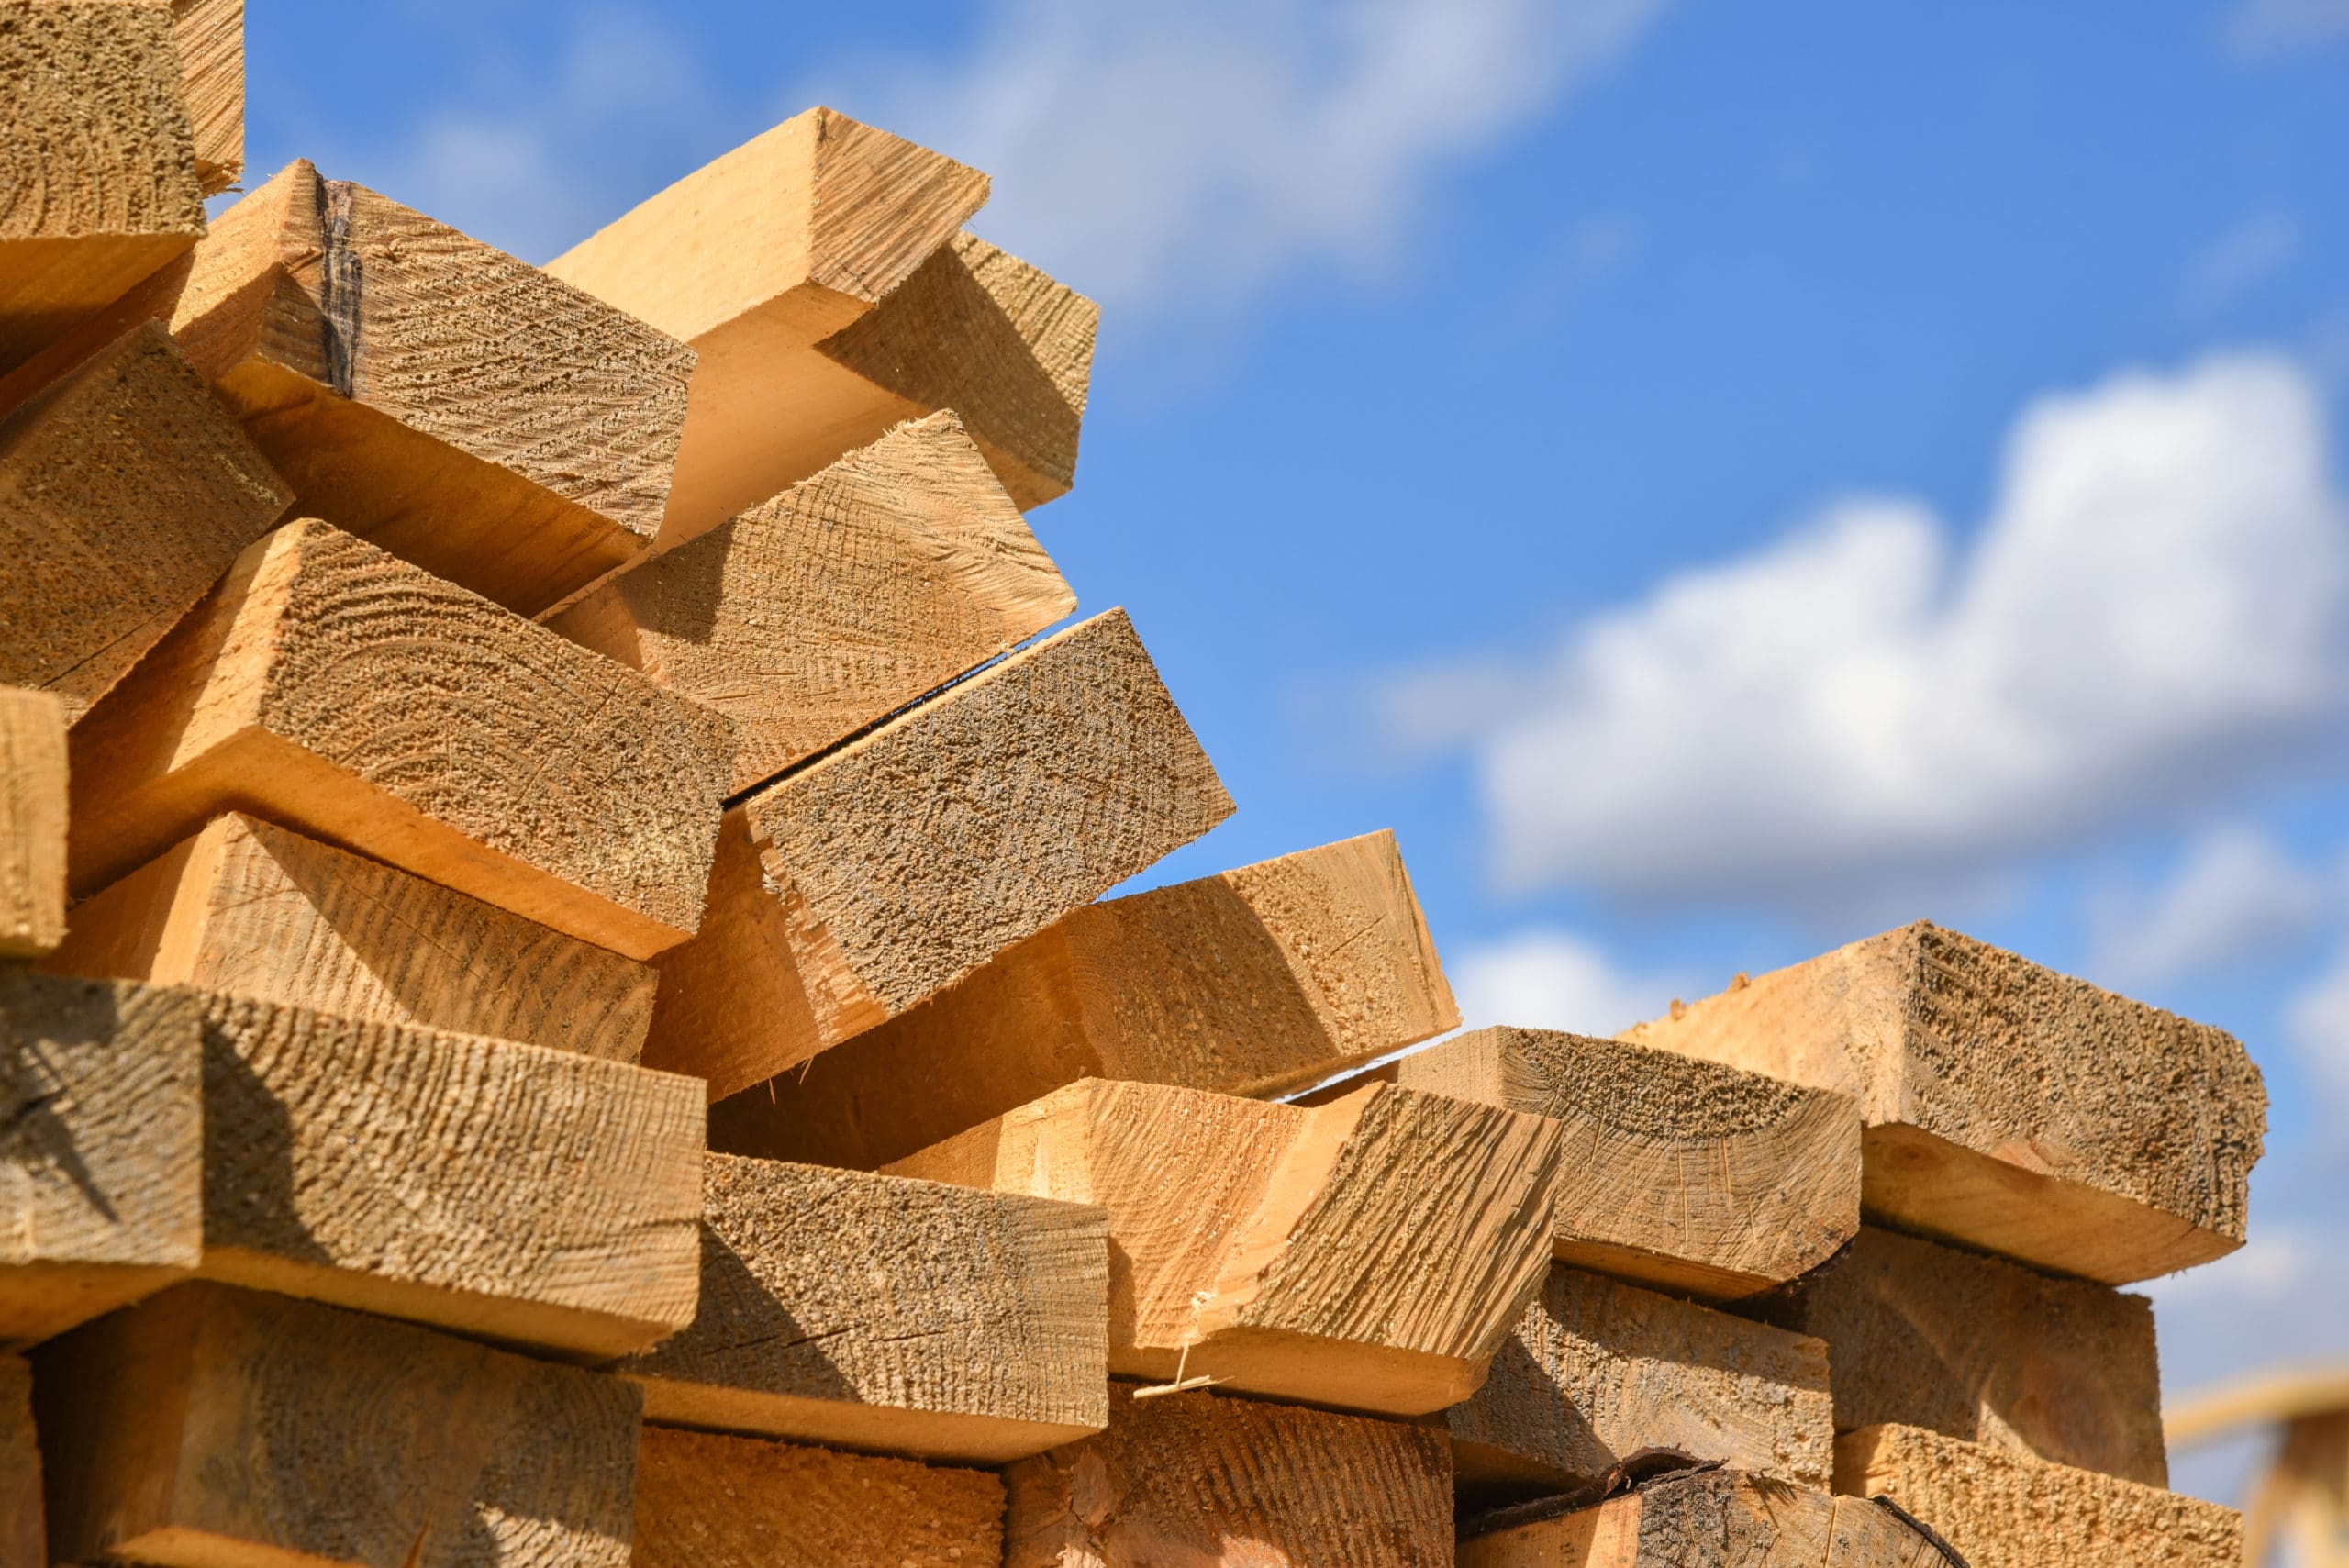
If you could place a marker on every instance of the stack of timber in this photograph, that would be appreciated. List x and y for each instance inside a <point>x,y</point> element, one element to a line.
<point>559,1002</point>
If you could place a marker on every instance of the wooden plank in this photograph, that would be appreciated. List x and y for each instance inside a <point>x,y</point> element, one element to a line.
<point>101,1193</point>
<point>532,1197</point>
<point>253,910</point>
<point>23,1540</point>
<point>2007,1107</point>
<point>211,36</point>
<point>2003,1509</point>
<point>879,1313</point>
<point>1036,786</point>
<point>32,822</point>
<point>707,1501</point>
<point>862,589</point>
<point>1689,1176</point>
<point>1596,1370</point>
<point>452,404</point>
<point>104,185</point>
<point>1215,1483</point>
<point>211,1426</point>
<point>1715,1519</point>
<point>126,490</point>
<point>1249,983</point>
<point>1372,1254</point>
<point>818,272</point>
<point>327,686</point>
<point>1978,1348</point>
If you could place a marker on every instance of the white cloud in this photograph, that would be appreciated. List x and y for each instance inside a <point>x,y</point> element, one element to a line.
<point>1182,157</point>
<point>2241,259</point>
<point>2271,26</point>
<point>1546,978</point>
<point>2234,893</point>
<point>2318,1023</point>
<point>2154,616</point>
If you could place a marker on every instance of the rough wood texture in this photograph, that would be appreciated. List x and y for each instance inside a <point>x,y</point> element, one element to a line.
<point>839,601</point>
<point>2009,1107</point>
<point>257,910</point>
<point>1248,982</point>
<point>870,880</point>
<point>1717,1518</point>
<point>1685,1174</point>
<point>705,1501</point>
<point>99,177</point>
<point>211,1426</point>
<point>23,1540</point>
<point>818,272</point>
<point>101,1193</point>
<point>1372,1254</point>
<point>2003,1509</point>
<point>32,822</point>
<point>1203,1482</point>
<point>499,1190</point>
<point>455,406</point>
<point>211,35</point>
<point>126,490</point>
<point>326,685</point>
<point>1981,1349</point>
<point>874,1312</point>
<point>1597,1371</point>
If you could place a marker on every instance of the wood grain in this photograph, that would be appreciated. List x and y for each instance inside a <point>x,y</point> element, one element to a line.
<point>2004,1510</point>
<point>1372,1254</point>
<point>1686,1174</point>
<point>1249,983</point>
<point>330,688</point>
<point>1980,1348</point>
<point>126,490</point>
<point>1207,1481</point>
<point>100,183</point>
<point>1596,1370</point>
<point>2008,1109</point>
<point>536,1197</point>
<point>880,1313</point>
<point>1715,1519</point>
<point>211,36</point>
<point>32,822</point>
<point>24,1542</point>
<point>853,593</point>
<point>252,909</point>
<point>871,879</point>
<point>101,1187</point>
<point>212,1426</point>
<point>754,260</point>
<point>705,1501</point>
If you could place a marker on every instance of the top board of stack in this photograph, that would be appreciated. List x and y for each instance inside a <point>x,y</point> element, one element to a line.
<point>560,1007</point>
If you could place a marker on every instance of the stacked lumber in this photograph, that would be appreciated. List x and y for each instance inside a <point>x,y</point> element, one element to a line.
<point>559,1002</point>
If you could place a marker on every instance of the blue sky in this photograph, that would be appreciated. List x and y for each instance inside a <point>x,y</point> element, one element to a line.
<point>1718,479</point>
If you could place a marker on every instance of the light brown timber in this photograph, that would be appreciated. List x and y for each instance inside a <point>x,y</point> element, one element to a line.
<point>210,1426</point>
<point>330,687</point>
<point>707,1501</point>
<point>1207,1481</point>
<point>2003,1509</point>
<point>211,35</point>
<point>1978,1348</point>
<point>1371,1254</point>
<point>452,404</point>
<point>1713,1519</point>
<point>126,490</point>
<point>856,591</point>
<point>101,1181</point>
<point>257,910</point>
<point>881,1313</point>
<point>874,877</point>
<point>2008,1109</point>
<point>32,822</point>
<point>532,1197</point>
<point>104,185</point>
<point>23,1540</point>
<point>1248,982</point>
<point>1682,1173</point>
<point>1596,1370</point>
